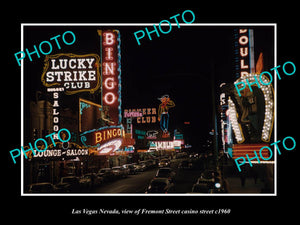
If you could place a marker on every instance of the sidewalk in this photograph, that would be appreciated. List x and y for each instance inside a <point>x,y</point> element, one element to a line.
<point>235,186</point>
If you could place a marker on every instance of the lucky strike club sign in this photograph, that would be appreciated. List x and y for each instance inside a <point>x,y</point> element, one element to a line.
<point>75,73</point>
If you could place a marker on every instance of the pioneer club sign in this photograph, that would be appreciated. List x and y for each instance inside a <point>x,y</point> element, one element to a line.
<point>75,73</point>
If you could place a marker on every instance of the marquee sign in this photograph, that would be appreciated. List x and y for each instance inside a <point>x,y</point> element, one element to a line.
<point>142,115</point>
<point>111,71</point>
<point>244,61</point>
<point>162,145</point>
<point>75,73</point>
<point>98,137</point>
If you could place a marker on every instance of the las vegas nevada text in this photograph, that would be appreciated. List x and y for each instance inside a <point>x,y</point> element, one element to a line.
<point>171,108</point>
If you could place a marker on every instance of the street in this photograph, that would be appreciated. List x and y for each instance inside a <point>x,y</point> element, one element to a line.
<point>184,181</point>
<point>138,183</point>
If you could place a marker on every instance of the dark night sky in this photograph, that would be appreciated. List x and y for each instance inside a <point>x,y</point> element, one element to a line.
<point>180,64</point>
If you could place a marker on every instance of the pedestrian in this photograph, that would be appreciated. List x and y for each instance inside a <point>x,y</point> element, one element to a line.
<point>254,174</point>
<point>243,178</point>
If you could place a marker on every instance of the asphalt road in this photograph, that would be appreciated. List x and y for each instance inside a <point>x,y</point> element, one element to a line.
<point>132,184</point>
<point>184,180</point>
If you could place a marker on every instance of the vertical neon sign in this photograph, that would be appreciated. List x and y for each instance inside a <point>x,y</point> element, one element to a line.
<point>111,73</point>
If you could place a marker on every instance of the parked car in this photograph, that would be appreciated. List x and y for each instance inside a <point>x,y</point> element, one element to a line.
<point>143,165</point>
<point>68,184</point>
<point>138,167</point>
<point>124,171</point>
<point>166,172</point>
<point>86,181</point>
<point>98,180</point>
<point>150,163</point>
<point>185,164</point>
<point>213,180</point>
<point>42,188</point>
<point>164,163</point>
<point>131,168</point>
<point>107,174</point>
<point>160,185</point>
<point>90,179</point>
<point>117,171</point>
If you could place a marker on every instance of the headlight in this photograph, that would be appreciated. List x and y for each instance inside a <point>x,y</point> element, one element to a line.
<point>217,185</point>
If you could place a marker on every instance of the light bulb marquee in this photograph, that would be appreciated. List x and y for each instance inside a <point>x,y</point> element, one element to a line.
<point>269,108</point>
<point>247,73</point>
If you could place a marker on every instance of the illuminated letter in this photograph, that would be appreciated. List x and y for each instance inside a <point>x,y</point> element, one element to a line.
<point>109,85</point>
<point>90,62</point>
<point>109,70</point>
<point>53,65</point>
<point>50,76</point>
<point>22,57</point>
<point>238,90</point>
<point>243,40</point>
<point>137,38</point>
<point>55,127</point>
<point>92,74</point>
<point>106,98</point>
<point>109,57</point>
<point>289,74</point>
<point>70,61</point>
<point>244,73</point>
<point>243,52</point>
<point>243,66</point>
<point>98,137</point>
<point>109,135</point>
<point>109,38</point>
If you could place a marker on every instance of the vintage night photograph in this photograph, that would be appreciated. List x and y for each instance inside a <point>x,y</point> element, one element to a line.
<point>166,109</point>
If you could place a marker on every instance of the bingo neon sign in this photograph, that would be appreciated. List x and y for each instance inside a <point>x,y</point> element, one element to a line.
<point>111,72</point>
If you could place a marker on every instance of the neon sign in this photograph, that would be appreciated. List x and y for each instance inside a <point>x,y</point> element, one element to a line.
<point>142,115</point>
<point>98,137</point>
<point>110,147</point>
<point>76,73</point>
<point>111,71</point>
